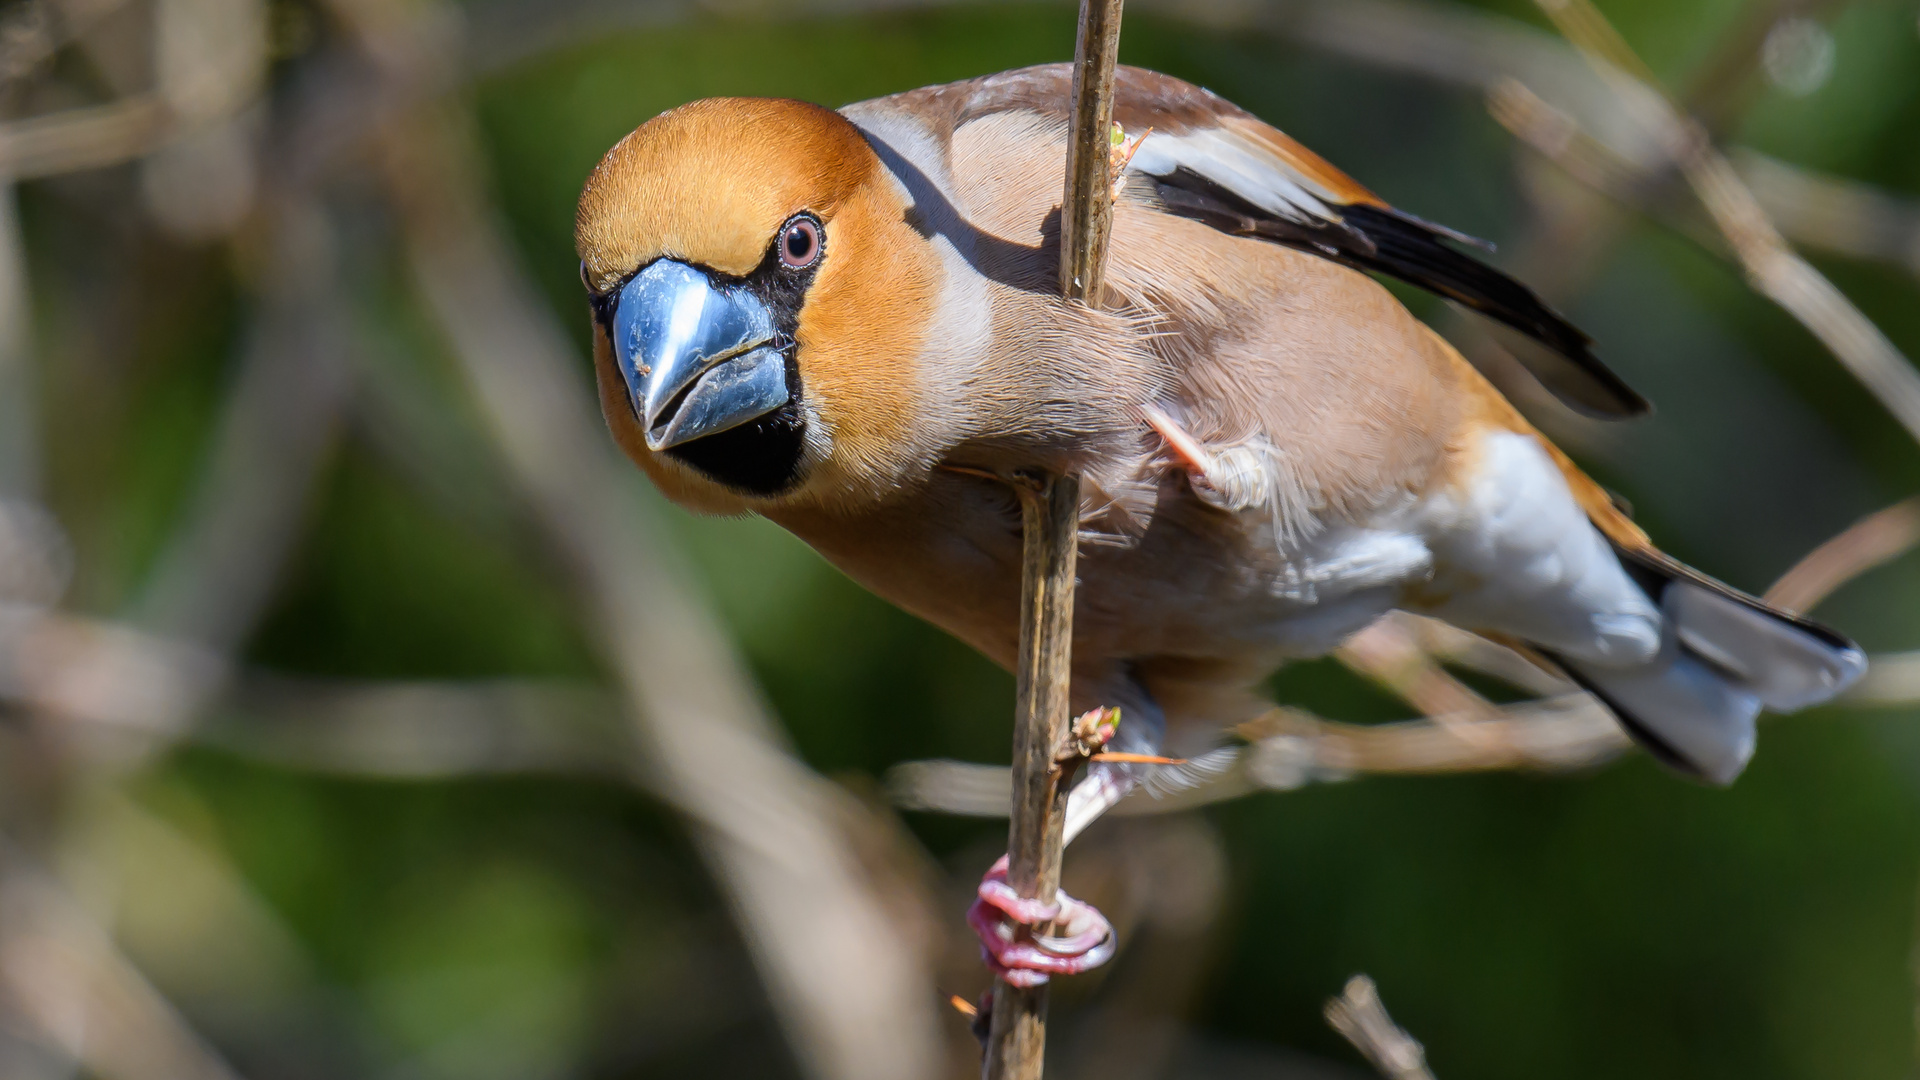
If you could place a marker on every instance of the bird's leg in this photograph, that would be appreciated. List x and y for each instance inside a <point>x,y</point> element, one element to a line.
<point>1024,941</point>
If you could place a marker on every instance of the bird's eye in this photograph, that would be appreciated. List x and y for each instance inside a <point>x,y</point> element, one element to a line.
<point>800,243</point>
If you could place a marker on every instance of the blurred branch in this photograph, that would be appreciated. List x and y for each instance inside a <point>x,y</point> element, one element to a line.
<point>89,137</point>
<point>1892,680</point>
<point>1463,46</point>
<point>1387,653</point>
<point>1359,1015</point>
<point>113,686</point>
<point>1872,541</point>
<point>275,431</point>
<point>37,29</point>
<point>1450,644</point>
<point>1772,266</point>
<point>425,730</point>
<point>847,986</point>
<point>1289,748</point>
<point>61,971</point>
<point>106,678</point>
<point>1450,43</point>
<point>1461,731</point>
<point>209,59</point>
<point>1845,217</point>
<point>19,394</point>
<point>36,561</point>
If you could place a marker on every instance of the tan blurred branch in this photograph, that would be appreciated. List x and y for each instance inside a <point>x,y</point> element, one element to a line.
<point>209,58</point>
<point>425,730</point>
<point>850,989</point>
<point>103,677</point>
<point>1842,216</point>
<point>61,971</point>
<point>1872,541</point>
<point>1450,644</point>
<point>1387,653</point>
<point>89,137</point>
<point>1361,1018</point>
<point>1892,681</point>
<point>1289,748</point>
<point>1772,266</point>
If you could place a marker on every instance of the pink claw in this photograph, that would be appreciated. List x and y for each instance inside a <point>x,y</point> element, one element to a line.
<point>1004,921</point>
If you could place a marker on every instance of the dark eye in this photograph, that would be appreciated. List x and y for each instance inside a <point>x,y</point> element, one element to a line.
<point>800,242</point>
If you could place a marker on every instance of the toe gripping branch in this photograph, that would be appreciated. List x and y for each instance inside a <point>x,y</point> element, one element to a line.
<point>1011,941</point>
<point>1026,942</point>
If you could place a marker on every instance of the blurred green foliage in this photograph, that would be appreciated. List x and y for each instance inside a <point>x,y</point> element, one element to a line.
<point>1618,923</point>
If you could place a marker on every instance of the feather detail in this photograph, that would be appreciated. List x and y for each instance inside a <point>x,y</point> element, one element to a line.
<point>1251,475</point>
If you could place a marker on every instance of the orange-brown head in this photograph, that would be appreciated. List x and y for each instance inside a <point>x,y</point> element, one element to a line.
<point>760,299</point>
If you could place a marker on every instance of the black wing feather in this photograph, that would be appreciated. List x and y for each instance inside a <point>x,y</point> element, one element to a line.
<point>1404,247</point>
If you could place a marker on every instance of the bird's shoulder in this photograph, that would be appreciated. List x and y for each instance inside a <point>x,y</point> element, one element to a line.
<point>995,142</point>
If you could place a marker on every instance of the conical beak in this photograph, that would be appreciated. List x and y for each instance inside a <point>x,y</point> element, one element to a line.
<point>698,359</point>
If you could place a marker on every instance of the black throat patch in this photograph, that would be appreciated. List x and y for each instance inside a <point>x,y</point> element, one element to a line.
<point>762,456</point>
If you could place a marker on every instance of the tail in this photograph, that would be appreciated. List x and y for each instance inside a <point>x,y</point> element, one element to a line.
<point>1724,656</point>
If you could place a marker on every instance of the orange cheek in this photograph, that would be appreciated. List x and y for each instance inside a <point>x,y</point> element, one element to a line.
<point>675,481</point>
<point>863,325</point>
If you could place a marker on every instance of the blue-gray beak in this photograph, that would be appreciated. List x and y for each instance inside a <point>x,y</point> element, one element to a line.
<point>697,359</point>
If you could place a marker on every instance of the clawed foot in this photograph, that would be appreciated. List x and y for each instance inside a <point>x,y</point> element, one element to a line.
<point>1011,941</point>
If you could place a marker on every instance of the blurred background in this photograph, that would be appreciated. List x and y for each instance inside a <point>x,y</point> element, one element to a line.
<point>364,716</point>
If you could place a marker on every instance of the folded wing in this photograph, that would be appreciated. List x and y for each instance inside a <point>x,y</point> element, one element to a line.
<point>1243,177</point>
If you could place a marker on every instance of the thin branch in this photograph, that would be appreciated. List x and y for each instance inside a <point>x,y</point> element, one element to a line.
<point>848,986</point>
<point>424,730</point>
<point>1016,1038</point>
<point>1874,540</point>
<point>1840,215</point>
<point>1361,1018</point>
<point>1086,216</point>
<point>61,971</point>
<point>1892,681</point>
<point>1772,267</point>
<point>1450,644</point>
<point>1290,748</point>
<point>1050,507</point>
<point>90,137</point>
<point>104,678</point>
<point>1387,653</point>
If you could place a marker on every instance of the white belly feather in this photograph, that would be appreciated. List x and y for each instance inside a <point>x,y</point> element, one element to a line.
<point>1505,549</point>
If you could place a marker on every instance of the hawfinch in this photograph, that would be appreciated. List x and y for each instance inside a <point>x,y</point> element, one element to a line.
<point>850,323</point>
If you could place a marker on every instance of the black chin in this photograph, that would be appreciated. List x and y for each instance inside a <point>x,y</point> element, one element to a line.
<point>759,457</point>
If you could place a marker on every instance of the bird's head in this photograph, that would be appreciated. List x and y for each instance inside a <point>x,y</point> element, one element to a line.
<point>759,301</point>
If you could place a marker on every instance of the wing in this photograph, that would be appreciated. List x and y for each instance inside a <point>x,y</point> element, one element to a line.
<point>1243,177</point>
<point>1213,161</point>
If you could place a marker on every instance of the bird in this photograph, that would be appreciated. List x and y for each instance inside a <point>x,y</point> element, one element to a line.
<point>849,322</point>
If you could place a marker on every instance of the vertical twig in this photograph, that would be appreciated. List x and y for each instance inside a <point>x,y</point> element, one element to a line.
<point>1050,514</point>
<point>1017,1037</point>
<point>1086,217</point>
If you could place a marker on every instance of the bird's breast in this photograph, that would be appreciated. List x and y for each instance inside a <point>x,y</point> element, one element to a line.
<point>1199,583</point>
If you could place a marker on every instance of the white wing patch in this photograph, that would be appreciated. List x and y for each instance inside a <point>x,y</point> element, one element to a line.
<point>1241,167</point>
